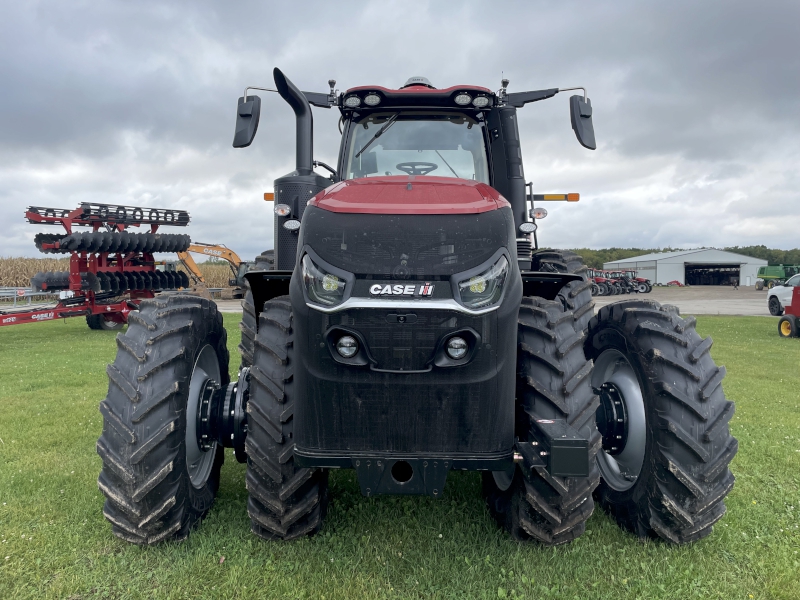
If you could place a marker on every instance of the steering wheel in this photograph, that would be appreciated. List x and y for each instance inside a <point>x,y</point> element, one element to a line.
<point>417,168</point>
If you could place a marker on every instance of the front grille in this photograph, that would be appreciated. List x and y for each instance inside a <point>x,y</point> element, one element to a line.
<point>402,346</point>
<point>406,246</point>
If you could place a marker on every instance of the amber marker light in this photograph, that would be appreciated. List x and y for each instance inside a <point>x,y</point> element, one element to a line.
<point>269,196</point>
<point>573,197</point>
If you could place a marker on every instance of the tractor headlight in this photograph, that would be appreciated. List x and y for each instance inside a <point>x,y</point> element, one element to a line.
<point>322,287</point>
<point>486,288</point>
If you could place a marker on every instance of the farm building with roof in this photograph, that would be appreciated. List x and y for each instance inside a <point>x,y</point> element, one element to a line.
<point>705,266</point>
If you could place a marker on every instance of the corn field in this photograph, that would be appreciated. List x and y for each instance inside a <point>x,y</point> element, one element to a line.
<point>17,272</point>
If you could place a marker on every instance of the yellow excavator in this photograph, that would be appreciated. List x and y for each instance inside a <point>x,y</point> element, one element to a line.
<point>238,269</point>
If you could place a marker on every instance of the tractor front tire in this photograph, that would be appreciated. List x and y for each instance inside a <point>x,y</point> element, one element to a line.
<point>559,261</point>
<point>157,481</point>
<point>552,383</point>
<point>664,421</point>
<point>264,262</point>
<point>787,326</point>
<point>285,501</point>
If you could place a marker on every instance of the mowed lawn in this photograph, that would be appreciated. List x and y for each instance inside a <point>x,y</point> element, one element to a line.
<point>54,541</point>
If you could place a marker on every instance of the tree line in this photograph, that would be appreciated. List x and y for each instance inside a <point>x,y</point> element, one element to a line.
<point>596,258</point>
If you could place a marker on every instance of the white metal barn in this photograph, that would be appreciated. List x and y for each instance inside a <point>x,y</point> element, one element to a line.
<point>705,266</point>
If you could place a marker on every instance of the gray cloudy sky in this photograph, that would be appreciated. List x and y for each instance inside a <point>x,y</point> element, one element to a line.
<point>696,107</point>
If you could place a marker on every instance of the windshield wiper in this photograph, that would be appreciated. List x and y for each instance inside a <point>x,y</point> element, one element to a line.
<point>378,133</point>
<point>448,164</point>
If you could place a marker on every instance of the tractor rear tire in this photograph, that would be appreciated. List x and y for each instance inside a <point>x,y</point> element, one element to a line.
<point>285,501</point>
<point>559,261</point>
<point>775,308</point>
<point>787,326</point>
<point>595,290</point>
<point>99,322</point>
<point>552,383</point>
<point>158,483</point>
<point>666,472</point>
<point>266,262</point>
<point>759,285</point>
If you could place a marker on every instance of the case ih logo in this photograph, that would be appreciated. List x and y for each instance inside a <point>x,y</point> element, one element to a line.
<point>401,290</point>
<point>43,316</point>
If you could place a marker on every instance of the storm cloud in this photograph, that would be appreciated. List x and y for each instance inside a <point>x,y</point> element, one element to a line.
<point>695,107</point>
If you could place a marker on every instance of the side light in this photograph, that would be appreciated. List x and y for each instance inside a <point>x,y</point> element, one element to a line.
<point>352,102</point>
<point>282,210</point>
<point>538,213</point>
<point>480,102</point>
<point>528,227</point>
<point>292,225</point>
<point>372,100</point>
<point>463,99</point>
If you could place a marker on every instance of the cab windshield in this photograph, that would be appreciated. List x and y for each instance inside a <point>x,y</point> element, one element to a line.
<point>444,144</point>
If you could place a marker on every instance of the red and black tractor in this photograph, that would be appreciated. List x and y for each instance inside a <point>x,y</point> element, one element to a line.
<point>641,285</point>
<point>406,326</point>
<point>601,284</point>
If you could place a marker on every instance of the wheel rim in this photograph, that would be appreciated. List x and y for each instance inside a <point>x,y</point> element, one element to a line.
<point>621,397</point>
<point>111,325</point>
<point>199,462</point>
<point>773,305</point>
<point>786,328</point>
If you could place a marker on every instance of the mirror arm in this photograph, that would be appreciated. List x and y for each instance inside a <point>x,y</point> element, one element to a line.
<point>314,98</point>
<point>319,163</point>
<point>574,88</point>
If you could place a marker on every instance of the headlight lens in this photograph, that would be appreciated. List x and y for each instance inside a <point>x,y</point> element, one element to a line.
<point>322,287</point>
<point>484,289</point>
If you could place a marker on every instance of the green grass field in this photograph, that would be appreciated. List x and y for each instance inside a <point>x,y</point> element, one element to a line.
<point>54,541</point>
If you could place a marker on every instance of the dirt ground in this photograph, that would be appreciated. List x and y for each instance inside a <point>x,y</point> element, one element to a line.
<point>696,300</point>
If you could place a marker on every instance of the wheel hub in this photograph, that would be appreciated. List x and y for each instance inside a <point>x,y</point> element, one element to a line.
<point>222,415</point>
<point>612,419</point>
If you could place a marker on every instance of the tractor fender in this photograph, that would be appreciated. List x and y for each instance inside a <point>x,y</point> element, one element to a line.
<point>545,284</point>
<point>267,285</point>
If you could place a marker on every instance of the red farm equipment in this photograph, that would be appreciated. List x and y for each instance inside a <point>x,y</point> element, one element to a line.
<point>110,268</point>
<point>601,284</point>
<point>789,323</point>
<point>405,326</point>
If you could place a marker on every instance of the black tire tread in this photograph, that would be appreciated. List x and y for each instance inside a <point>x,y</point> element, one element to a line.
<point>248,324</point>
<point>682,496</point>
<point>285,502</point>
<point>149,498</point>
<point>553,383</point>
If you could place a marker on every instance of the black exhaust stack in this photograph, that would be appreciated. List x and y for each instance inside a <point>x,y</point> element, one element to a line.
<point>297,188</point>
<point>305,121</point>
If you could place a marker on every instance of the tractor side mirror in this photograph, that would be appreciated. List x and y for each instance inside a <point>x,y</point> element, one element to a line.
<point>580,112</point>
<point>247,114</point>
